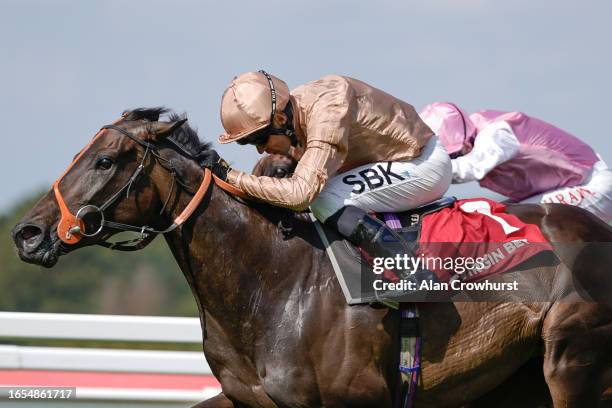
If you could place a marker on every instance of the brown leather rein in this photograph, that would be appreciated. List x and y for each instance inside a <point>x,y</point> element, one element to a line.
<point>71,228</point>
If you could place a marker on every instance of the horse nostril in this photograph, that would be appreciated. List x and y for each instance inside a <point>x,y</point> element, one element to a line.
<point>28,237</point>
<point>29,232</point>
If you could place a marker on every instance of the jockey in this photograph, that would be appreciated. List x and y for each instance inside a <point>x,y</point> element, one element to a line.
<point>358,149</point>
<point>523,158</point>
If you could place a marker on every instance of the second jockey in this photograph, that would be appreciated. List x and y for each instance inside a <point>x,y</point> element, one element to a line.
<point>523,158</point>
<point>358,149</point>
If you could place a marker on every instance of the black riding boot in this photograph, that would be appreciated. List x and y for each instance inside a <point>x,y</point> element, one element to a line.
<point>378,240</point>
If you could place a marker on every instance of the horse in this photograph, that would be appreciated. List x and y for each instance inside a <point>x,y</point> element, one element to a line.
<point>277,331</point>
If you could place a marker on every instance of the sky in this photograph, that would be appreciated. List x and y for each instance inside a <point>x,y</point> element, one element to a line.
<point>69,67</point>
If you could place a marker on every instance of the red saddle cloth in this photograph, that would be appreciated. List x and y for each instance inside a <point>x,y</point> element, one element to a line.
<point>478,229</point>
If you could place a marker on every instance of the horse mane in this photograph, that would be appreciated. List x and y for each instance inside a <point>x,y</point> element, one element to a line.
<point>187,137</point>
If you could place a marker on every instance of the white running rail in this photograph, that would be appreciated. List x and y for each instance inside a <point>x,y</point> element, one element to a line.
<point>149,329</point>
<point>100,327</point>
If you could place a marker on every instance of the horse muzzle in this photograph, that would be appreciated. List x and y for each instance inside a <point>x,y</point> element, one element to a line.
<point>35,245</point>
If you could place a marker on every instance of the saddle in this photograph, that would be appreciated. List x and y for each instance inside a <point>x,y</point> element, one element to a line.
<point>471,247</point>
<point>414,216</point>
<point>350,266</point>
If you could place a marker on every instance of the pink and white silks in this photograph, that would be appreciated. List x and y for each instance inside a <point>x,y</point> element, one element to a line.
<point>523,158</point>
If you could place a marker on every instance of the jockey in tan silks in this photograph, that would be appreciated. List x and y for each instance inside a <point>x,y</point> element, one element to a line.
<point>358,149</point>
<point>523,158</point>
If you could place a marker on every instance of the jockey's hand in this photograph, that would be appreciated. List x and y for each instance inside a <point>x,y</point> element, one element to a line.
<point>210,159</point>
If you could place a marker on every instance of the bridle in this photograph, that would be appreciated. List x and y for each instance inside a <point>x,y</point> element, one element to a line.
<point>71,228</point>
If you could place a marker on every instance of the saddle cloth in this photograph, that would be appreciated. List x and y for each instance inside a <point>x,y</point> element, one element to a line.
<point>442,230</point>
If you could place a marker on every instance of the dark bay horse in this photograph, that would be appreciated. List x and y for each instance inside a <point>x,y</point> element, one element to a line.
<point>277,330</point>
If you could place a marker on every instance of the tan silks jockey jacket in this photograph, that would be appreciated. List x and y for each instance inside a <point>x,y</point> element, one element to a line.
<point>343,123</point>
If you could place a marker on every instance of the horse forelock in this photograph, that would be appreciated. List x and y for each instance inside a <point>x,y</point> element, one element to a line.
<point>148,114</point>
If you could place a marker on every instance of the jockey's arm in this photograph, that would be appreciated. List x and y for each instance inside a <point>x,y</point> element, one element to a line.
<point>320,161</point>
<point>494,145</point>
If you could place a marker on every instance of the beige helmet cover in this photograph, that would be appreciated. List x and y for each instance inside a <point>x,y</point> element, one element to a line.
<point>246,105</point>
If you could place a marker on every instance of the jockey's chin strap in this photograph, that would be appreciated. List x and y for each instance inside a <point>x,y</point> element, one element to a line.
<point>71,228</point>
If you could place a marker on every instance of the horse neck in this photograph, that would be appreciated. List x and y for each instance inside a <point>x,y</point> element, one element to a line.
<point>233,257</point>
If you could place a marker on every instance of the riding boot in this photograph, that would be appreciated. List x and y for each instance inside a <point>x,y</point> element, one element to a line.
<point>378,240</point>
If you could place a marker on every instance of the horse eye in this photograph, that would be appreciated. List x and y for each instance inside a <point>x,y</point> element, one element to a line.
<point>280,173</point>
<point>104,163</point>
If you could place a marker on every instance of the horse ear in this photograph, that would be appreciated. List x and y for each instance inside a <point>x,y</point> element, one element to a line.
<point>158,130</point>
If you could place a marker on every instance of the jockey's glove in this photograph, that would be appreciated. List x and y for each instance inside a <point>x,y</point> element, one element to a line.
<point>210,159</point>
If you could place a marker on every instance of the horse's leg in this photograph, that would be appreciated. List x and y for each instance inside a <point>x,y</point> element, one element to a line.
<point>218,401</point>
<point>578,352</point>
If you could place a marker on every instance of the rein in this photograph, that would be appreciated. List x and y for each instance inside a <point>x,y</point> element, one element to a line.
<point>71,228</point>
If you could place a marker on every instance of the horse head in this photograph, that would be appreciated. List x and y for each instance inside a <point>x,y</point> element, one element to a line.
<point>275,165</point>
<point>120,181</point>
